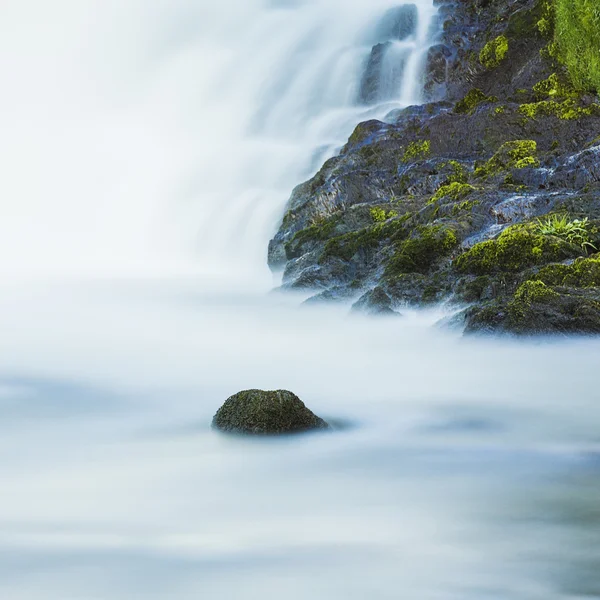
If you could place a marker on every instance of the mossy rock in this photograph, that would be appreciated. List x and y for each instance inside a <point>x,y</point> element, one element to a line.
<point>366,240</point>
<point>417,151</point>
<point>472,100</point>
<point>529,294</point>
<point>516,249</point>
<point>583,273</point>
<point>257,412</point>
<point>494,52</point>
<point>421,251</point>
<point>536,308</point>
<point>454,191</point>
<point>568,110</point>
<point>516,154</point>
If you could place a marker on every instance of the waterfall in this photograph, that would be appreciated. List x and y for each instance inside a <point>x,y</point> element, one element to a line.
<point>165,137</point>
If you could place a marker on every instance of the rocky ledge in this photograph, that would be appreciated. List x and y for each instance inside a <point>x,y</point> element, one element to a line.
<point>488,196</point>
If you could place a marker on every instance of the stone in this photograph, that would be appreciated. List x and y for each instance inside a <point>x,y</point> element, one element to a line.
<point>258,412</point>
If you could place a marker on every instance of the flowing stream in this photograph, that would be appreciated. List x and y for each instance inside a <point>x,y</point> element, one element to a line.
<point>148,149</point>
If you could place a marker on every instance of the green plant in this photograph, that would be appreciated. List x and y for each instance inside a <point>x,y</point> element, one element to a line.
<point>553,87</point>
<point>458,173</point>
<point>576,232</point>
<point>518,154</point>
<point>577,39</point>
<point>583,273</point>
<point>494,52</point>
<point>454,191</point>
<point>529,293</point>
<point>379,215</point>
<point>546,22</point>
<point>416,150</point>
<point>472,100</point>
<point>417,254</point>
<point>568,110</point>
<point>518,247</point>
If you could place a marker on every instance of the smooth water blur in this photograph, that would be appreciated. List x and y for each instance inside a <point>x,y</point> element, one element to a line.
<point>165,136</point>
<point>464,468</point>
<point>148,148</point>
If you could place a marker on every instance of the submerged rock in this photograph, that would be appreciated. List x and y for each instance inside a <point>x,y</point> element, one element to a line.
<point>257,412</point>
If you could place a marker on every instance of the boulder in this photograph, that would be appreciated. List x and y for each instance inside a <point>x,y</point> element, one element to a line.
<point>375,303</point>
<point>258,412</point>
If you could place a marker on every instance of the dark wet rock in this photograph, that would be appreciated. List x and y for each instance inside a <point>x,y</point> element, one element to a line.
<point>375,302</point>
<point>436,72</point>
<point>257,412</point>
<point>518,208</point>
<point>383,73</point>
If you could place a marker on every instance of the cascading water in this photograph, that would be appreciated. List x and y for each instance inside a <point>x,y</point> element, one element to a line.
<point>316,69</point>
<point>171,133</point>
<point>144,141</point>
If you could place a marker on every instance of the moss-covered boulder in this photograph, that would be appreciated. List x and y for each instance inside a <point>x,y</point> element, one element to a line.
<point>257,412</point>
<point>536,308</point>
<point>516,249</point>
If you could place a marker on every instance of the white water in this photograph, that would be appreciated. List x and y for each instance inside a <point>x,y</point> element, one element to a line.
<point>165,136</point>
<point>148,148</point>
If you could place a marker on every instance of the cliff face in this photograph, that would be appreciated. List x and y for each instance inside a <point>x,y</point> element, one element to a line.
<point>487,196</point>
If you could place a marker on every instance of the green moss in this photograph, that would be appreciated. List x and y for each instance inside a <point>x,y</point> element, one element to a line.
<point>471,290</point>
<point>527,162</point>
<point>583,273</point>
<point>517,248</point>
<point>494,52</point>
<point>499,110</point>
<point>366,239</point>
<point>544,27</point>
<point>524,23</point>
<point>529,293</point>
<point>554,87</point>
<point>418,253</point>
<point>458,173</point>
<point>466,206</point>
<point>517,154</point>
<point>568,110</point>
<point>359,135</point>
<point>546,21</point>
<point>472,100</point>
<point>510,184</point>
<point>577,38</point>
<point>321,231</point>
<point>417,150</point>
<point>453,191</point>
<point>258,412</point>
<point>379,215</point>
<point>371,154</point>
